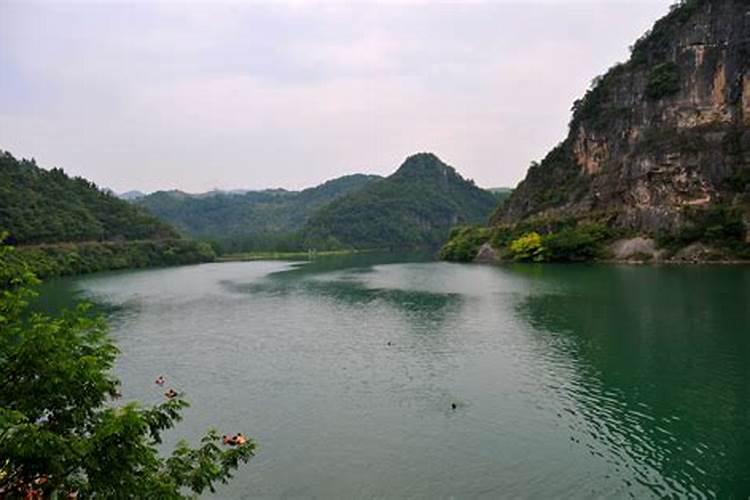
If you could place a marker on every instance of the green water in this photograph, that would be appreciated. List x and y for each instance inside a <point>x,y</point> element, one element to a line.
<point>569,381</point>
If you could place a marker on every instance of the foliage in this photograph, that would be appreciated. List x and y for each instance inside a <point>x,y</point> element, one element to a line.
<point>720,226</point>
<point>47,206</point>
<point>414,207</point>
<point>528,247</point>
<point>653,46</point>
<point>539,239</point>
<point>464,242</point>
<point>268,220</point>
<point>554,181</point>
<point>663,81</point>
<point>580,243</point>
<point>594,108</point>
<point>62,430</point>
<point>79,258</point>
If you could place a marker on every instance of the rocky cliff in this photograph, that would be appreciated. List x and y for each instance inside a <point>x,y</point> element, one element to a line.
<point>659,138</point>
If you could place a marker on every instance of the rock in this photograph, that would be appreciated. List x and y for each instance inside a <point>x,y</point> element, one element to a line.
<point>658,137</point>
<point>487,254</point>
<point>637,249</point>
<point>697,252</point>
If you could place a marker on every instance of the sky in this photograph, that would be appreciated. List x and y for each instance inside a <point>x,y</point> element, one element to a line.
<point>224,95</point>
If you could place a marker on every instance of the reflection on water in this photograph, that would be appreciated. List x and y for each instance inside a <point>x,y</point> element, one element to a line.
<point>660,368</point>
<point>569,381</point>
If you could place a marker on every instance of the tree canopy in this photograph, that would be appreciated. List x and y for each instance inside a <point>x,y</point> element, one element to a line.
<point>63,430</point>
<point>48,206</point>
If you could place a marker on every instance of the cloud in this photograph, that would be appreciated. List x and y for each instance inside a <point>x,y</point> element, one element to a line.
<point>203,95</point>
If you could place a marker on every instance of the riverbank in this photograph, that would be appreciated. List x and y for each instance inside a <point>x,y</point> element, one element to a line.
<point>589,242</point>
<point>73,258</point>
<point>253,256</point>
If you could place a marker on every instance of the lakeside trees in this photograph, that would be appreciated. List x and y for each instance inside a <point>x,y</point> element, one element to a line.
<point>63,431</point>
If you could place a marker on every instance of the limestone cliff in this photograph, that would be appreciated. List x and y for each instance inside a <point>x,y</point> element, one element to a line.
<point>659,137</point>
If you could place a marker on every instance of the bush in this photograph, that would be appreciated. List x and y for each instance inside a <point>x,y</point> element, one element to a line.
<point>720,226</point>
<point>464,243</point>
<point>528,247</point>
<point>663,81</point>
<point>580,243</point>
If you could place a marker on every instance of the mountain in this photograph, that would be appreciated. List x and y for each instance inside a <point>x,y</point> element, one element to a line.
<point>131,195</point>
<point>415,206</point>
<point>255,220</point>
<point>658,148</point>
<point>47,206</point>
<point>64,225</point>
<point>501,193</point>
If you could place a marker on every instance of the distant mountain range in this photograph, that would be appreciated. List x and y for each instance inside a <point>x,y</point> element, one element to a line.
<point>415,206</point>
<point>251,220</point>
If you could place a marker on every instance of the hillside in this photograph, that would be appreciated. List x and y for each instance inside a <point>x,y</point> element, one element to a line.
<point>255,220</point>
<point>68,225</point>
<point>47,206</point>
<point>659,147</point>
<point>416,206</point>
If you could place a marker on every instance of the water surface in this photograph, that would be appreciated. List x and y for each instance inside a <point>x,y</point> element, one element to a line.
<point>569,381</point>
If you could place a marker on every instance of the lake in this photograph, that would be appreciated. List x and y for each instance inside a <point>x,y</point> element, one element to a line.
<point>569,381</point>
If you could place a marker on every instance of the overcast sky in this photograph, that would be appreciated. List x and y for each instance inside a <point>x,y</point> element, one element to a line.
<point>199,96</point>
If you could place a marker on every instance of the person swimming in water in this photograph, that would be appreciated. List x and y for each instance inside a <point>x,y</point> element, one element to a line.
<point>240,439</point>
<point>170,394</point>
<point>160,380</point>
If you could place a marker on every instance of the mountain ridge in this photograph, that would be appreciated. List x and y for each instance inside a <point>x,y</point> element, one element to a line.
<point>255,220</point>
<point>414,206</point>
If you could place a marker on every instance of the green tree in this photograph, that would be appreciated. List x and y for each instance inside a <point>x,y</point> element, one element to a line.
<point>528,247</point>
<point>61,428</point>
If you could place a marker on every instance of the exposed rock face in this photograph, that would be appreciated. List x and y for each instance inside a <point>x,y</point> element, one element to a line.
<point>635,249</point>
<point>487,255</point>
<point>669,129</point>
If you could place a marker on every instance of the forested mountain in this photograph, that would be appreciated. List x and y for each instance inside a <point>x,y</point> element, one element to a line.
<point>255,220</point>
<point>47,206</point>
<point>416,206</point>
<point>63,225</point>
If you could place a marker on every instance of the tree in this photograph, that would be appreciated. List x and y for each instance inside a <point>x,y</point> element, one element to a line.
<point>62,431</point>
<point>528,247</point>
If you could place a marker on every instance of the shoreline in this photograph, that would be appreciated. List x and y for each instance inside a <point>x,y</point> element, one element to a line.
<point>254,256</point>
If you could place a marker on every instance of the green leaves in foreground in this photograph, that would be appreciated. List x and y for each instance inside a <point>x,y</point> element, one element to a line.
<point>61,430</point>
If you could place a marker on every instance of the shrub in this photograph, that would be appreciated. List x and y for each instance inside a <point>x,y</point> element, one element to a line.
<point>464,243</point>
<point>663,81</point>
<point>720,226</point>
<point>528,247</point>
<point>579,243</point>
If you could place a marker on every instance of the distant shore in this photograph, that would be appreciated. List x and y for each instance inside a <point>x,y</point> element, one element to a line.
<point>251,256</point>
